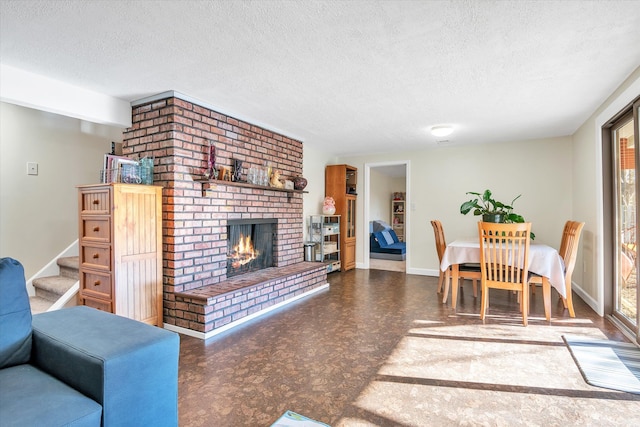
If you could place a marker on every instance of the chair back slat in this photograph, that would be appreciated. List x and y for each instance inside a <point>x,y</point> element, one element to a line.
<point>569,244</point>
<point>441,243</point>
<point>569,248</point>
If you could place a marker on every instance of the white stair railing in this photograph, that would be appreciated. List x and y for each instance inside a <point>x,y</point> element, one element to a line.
<point>69,296</point>
<point>52,269</point>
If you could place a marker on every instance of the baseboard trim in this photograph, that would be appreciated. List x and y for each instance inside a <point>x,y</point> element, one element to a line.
<point>587,298</point>
<point>210,334</point>
<point>423,272</point>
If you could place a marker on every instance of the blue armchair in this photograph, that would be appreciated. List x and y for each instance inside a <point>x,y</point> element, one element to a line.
<point>80,366</point>
<point>384,243</point>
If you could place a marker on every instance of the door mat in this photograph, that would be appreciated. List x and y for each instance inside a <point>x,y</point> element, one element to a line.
<point>608,364</point>
<point>291,419</point>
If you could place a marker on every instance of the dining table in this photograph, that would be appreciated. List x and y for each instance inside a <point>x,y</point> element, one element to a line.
<point>544,261</point>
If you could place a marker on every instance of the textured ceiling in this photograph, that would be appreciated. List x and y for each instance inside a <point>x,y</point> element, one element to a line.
<point>347,76</point>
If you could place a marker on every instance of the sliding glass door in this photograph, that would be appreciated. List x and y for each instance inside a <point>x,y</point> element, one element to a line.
<point>626,176</point>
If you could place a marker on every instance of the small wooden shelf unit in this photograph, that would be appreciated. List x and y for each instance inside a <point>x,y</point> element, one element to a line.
<point>324,232</point>
<point>398,211</point>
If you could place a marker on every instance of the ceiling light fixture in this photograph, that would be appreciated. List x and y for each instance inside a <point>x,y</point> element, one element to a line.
<point>441,130</point>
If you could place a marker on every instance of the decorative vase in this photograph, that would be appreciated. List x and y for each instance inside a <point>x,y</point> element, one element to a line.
<point>328,210</point>
<point>328,206</point>
<point>299,183</point>
<point>211,172</point>
<point>237,170</point>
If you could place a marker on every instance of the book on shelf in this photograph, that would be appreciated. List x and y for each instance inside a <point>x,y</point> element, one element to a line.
<point>114,166</point>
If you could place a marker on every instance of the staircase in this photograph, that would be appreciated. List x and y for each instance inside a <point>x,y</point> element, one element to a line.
<point>50,289</point>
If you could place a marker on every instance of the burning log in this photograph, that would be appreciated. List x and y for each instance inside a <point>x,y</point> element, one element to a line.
<point>243,253</point>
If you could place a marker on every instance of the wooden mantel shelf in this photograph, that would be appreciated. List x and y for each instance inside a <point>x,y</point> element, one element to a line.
<point>213,184</point>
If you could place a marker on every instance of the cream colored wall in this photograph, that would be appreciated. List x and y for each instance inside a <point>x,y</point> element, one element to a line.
<point>585,204</point>
<point>38,214</point>
<point>313,165</point>
<point>440,177</point>
<point>380,200</point>
<point>559,178</point>
<point>586,168</point>
<point>399,185</point>
<point>70,152</point>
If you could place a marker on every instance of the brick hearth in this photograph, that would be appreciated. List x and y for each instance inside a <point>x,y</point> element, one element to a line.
<point>176,131</point>
<point>215,306</point>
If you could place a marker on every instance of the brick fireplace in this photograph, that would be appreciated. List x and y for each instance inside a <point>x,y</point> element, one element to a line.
<point>198,294</point>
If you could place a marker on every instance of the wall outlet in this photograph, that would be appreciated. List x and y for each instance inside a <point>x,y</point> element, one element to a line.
<point>32,168</point>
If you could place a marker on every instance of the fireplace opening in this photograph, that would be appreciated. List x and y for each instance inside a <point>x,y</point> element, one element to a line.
<point>250,245</point>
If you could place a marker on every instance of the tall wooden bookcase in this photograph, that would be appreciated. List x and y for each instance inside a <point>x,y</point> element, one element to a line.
<point>340,183</point>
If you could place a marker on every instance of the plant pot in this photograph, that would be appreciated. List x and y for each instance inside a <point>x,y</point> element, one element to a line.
<point>496,218</point>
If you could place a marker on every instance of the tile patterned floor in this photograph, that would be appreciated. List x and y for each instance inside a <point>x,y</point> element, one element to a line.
<point>379,349</point>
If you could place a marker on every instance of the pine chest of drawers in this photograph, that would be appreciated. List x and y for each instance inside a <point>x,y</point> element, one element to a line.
<point>120,232</point>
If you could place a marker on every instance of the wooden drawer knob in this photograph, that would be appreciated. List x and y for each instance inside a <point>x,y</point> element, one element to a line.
<point>96,202</point>
<point>96,256</point>
<point>96,283</point>
<point>96,228</point>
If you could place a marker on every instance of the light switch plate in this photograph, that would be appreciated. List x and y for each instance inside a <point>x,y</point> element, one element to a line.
<point>32,168</point>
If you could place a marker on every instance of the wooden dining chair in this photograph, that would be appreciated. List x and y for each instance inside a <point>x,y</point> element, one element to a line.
<point>466,271</point>
<point>569,252</point>
<point>504,262</point>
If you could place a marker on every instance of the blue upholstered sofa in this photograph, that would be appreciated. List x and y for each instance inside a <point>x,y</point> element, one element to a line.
<point>80,366</point>
<point>384,243</point>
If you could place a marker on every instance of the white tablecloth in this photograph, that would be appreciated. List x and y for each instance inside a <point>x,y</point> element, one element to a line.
<point>543,260</point>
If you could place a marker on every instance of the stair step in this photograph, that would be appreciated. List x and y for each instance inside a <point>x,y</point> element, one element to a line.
<point>52,287</point>
<point>69,267</point>
<point>39,304</point>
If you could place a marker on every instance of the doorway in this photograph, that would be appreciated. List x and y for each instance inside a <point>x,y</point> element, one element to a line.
<point>387,191</point>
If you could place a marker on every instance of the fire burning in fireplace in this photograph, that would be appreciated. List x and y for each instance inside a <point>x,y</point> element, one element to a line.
<point>242,253</point>
<point>250,245</point>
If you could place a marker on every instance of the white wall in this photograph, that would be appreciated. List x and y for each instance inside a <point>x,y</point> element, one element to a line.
<point>586,168</point>
<point>38,214</point>
<point>382,188</point>
<point>313,165</point>
<point>559,179</point>
<point>70,153</point>
<point>440,177</point>
<point>399,185</point>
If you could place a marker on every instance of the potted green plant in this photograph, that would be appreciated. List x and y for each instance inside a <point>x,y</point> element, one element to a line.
<point>492,210</point>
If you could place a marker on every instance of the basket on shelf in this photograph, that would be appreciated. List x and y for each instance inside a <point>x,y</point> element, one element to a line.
<point>331,228</point>
<point>330,247</point>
